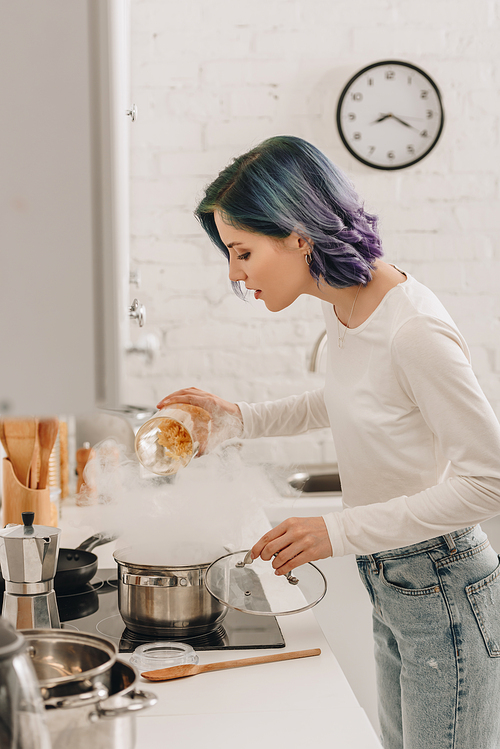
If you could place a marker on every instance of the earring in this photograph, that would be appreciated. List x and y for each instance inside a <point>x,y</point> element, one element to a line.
<point>308,258</point>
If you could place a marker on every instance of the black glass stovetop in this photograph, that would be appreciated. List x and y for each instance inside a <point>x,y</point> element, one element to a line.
<point>94,609</point>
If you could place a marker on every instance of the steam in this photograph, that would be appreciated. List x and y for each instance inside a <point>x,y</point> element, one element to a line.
<point>213,506</point>
<point>223,427</point>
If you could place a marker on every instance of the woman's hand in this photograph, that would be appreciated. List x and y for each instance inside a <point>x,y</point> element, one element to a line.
<point>227,421</point>
<point>296,541</point>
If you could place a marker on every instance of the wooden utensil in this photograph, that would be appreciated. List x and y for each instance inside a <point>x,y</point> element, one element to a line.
<point>191,669</point>
<point>20,436</point>
<point>2,438</point>
<point>47,435</point>
<point>63,458</point>
<point>35,466</point>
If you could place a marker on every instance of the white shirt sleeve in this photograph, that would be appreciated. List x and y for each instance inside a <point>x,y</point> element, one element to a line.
<point>292,415</point>
<point>431,364</point>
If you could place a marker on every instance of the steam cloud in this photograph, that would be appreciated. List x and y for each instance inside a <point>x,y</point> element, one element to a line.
<point>213,506</point>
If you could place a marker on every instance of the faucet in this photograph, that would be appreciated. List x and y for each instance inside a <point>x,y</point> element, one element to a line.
<point>317,352</point>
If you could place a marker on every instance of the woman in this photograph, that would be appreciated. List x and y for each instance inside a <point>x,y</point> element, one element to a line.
<point>418,445</point>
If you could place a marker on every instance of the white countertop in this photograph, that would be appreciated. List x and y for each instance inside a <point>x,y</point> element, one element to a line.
<point>299,703</point>
<point>305,702</point>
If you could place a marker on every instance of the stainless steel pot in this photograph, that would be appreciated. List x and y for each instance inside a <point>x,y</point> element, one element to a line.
<point>21,710</point>
<point>70,663</point>
<point>109,723</point>
<point>163,601</point>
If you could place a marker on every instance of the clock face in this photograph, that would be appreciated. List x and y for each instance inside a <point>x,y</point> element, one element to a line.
<point>390,115</point>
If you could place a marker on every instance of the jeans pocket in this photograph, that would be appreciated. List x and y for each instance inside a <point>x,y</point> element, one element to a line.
<point>484,597</point>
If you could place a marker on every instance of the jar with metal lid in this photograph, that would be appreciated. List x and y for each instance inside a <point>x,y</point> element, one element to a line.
<point>172,438</point>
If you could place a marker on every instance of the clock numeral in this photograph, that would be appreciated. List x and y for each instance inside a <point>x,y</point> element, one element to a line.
<point>370,81</point>
<point>424,94</point>
<point>390,74</point>
<point>409,80</point>
<point>429,114</point>
<point>424,134</point>
<point>371,149</point>
<point>391,155</point>
<point>351,116</point>
<point>357,96</point>
<point>410,149</point>
<point>356,136</point>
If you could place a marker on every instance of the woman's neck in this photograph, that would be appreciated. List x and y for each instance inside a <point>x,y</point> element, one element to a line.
<point>354,304</point>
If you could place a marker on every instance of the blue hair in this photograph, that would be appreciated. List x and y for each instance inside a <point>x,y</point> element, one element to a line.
<point>286,184</point>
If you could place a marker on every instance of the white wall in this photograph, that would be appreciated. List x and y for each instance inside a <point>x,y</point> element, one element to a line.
<point>213,79</point>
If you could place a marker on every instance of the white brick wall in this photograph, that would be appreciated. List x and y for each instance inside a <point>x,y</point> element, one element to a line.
<point>211,80</point>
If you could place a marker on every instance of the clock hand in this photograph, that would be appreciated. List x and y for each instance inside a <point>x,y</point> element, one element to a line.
<point>406,124</point>
<point>381,118</point>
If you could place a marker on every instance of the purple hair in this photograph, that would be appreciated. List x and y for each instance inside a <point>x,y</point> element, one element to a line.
<point>286,184</point>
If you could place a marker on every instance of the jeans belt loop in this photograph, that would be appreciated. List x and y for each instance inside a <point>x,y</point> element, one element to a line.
<point>373,564</point>
<point>450,543</point>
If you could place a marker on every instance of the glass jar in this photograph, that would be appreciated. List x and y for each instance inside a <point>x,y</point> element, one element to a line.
<point>172,438</point>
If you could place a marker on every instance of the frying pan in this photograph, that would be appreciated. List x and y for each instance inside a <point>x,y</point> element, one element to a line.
<point>76,567</point>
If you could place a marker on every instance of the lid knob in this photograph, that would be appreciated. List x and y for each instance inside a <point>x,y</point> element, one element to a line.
<point>28,518</point>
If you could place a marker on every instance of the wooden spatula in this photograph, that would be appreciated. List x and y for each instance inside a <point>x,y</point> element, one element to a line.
<point>191,669</point>
<point>47,435</point>
<point>20,437</point>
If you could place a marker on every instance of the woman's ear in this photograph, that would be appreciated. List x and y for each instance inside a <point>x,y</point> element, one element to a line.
<point>297,242</point>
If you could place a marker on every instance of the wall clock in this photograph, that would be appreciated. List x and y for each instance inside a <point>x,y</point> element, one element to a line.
<point>390,115</point>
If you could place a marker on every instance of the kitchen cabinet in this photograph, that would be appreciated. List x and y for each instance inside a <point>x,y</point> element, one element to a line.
<point>64,228</point>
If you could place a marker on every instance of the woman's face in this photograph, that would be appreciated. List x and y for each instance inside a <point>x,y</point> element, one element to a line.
<point>275,270</point>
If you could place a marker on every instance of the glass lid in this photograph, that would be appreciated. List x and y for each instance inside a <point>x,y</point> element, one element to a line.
<point>252,587</point>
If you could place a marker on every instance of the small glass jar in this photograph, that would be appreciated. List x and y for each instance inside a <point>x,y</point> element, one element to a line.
<point>171,438</point>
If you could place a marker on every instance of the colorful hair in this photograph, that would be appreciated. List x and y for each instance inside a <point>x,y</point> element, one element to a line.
<point>286,184</point>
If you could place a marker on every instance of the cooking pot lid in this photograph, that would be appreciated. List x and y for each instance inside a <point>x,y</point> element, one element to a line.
<point>252,586</point>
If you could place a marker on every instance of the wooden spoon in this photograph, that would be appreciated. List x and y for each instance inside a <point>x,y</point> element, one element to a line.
<point>191,669</point>
<point>20,436</point>
<point>47,435</point>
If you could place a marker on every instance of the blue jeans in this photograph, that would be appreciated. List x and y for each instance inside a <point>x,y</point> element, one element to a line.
<point>436,625</point>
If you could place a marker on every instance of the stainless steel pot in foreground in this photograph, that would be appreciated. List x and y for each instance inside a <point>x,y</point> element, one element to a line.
<point>105,724</point>
<point>70,663</point>
<point>166,601</point>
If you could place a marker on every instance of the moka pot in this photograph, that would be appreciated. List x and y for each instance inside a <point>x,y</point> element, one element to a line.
<point>28,558</point>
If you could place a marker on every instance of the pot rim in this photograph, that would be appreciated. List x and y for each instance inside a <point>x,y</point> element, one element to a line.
<point>158,568</point>
<point>82,638</point>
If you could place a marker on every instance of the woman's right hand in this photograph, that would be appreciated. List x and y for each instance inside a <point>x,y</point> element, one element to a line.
<point>227,421</point>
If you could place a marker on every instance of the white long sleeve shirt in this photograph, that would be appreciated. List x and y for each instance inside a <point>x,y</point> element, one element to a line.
<point>418,444</point>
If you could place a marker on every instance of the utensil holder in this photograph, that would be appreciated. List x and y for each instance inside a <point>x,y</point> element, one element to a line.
<point>17,499</point>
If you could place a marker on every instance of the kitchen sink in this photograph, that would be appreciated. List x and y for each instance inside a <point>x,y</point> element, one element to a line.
<point>315,480</point>
<point>315,484</point>
<point>306,490</point>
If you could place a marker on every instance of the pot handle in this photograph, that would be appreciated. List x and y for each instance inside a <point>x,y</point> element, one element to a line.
<point>97,540</point>
<point>78,700</point>
<point>138,701</point>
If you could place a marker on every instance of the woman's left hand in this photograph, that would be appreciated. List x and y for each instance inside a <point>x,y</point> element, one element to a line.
<point>296,541</point>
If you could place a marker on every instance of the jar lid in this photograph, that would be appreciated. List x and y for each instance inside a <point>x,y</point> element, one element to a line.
<point>252,587</point>
<point>154,655</point>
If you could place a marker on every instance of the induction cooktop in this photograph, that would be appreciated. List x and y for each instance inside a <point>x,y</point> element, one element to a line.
<point>94,609</point>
